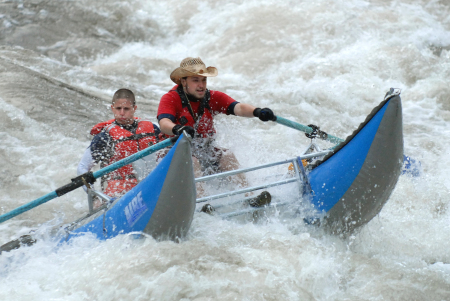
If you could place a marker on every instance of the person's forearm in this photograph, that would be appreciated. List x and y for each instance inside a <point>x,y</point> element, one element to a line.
<point>86,162</point>
<point>166,125</point>
<point>244,110</point>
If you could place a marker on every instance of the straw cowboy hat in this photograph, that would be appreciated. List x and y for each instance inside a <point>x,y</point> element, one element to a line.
<point>191,67</point>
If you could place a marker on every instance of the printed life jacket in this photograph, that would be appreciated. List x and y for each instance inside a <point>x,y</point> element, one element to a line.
<point>125,144</point>
<point>201,118</point>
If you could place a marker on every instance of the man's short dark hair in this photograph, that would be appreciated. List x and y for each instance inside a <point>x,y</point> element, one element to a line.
<point>124,93</point>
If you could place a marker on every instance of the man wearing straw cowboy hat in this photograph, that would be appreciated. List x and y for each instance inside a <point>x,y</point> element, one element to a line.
<point>190,107</point>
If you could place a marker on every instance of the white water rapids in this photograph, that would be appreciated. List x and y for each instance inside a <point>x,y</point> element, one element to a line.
<point>322,62</point>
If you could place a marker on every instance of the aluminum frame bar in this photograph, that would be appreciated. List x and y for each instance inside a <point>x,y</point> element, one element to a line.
<point>242,170</point>
<point>249,189</point>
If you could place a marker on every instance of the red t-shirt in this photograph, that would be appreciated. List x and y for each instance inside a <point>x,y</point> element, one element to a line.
<point>170,107</point>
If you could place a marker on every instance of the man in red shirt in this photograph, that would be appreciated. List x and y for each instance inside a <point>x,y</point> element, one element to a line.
<point>191,107</point>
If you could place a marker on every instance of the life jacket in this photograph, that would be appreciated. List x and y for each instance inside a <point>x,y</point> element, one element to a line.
<point>125,144</point>
<point>201,118</point>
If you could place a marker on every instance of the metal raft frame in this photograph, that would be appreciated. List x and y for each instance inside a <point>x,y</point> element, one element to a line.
<point>313,151</point>
<point>92,194</point>
<point>300,177</point>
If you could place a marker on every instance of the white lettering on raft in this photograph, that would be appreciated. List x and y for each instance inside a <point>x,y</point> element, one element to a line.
<point>135,209</point>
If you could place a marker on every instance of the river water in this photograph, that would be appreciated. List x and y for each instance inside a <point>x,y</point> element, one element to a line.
<point>322,62</point>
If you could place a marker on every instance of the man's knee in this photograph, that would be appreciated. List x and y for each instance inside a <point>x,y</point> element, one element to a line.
<point>228,161</point>
<point>197,167</point>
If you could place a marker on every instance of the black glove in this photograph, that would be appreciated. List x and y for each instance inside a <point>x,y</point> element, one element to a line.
<point>178,130</point>
<point>316,132</point>
<point>264,114</point>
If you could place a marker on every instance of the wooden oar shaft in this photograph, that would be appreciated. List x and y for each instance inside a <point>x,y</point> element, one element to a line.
<point>77,182</point>
<point>305,129</point>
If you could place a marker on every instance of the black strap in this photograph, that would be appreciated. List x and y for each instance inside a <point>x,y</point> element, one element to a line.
<point>119,177</point>
<point>134,137</point>
<point>204,103</point>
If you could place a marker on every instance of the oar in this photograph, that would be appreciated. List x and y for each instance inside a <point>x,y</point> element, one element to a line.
<point>306,129</point>
<point>411,167</point>
<point>88,177</point>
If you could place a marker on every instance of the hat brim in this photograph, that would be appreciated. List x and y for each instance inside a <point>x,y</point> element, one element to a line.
<point>180,72</point>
